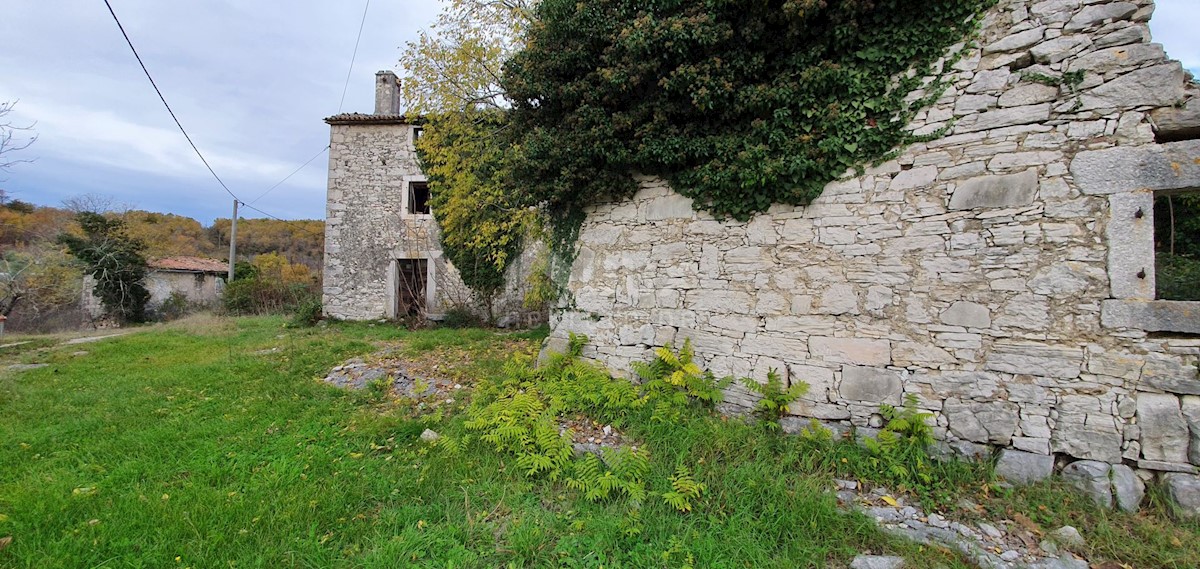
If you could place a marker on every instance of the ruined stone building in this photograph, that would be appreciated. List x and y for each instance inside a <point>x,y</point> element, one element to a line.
<point>383,257</point>
<point>1003,274</point>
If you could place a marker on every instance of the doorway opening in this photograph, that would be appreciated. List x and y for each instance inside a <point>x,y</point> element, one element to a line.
<point>410,293</point>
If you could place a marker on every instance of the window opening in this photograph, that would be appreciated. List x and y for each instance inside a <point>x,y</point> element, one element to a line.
<point>416,133</point>
<point>418,198</point>
<point>1177,246</point>
<point>410,297</point>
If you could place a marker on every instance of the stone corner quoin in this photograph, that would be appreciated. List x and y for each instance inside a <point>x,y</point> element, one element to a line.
<point>1001,274</point>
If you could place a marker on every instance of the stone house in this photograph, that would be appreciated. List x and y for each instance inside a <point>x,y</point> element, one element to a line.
<point>1002,275</point>
<point>383,256</point>
<point>196,280</point>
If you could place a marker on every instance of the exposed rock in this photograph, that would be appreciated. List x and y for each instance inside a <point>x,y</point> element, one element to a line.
<point>877,562</point>
<point>1127,488</point>
<point>429,435</point>
<point>1184,492</point>
<point>1069,537</point>
<point>1091,477</point>
<point>1191,413</point>
<point>1023,467</point>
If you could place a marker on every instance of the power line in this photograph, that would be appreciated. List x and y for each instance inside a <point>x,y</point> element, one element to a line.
<point>289,176</point>
<point>162,98</point>
<point>164,101</point>
<point>353,56</point>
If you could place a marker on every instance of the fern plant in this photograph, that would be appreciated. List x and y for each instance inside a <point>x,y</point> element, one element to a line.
<point>774,399</point>
<point>684,490</point>
<point>901,448</point>
<point>673,379</point>
<point>622,473</point>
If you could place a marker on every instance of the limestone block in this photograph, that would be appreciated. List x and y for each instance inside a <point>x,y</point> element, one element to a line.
<point>1028,94</point>
<point>982,421</point>
<point>1127,488</point>
<point>819,380</point>
<point>1035,359</point>
<point>1155,167</point>
<point>1023,467</point>
<point>1057,49</point>
<point>1124,36</point>
<point>999,118</point>
<point>838,299</point>
<point>673,206</point>
<point>870,385</point>
<point>1091,478</point>
<point>1016,42</point>
<point>1099,13</point>
<point>920,354</point>
<point>968,104</point>
<point>1190,405</point>
<point>727,301</point>
<point>1093,436</point>
<point>1111,59</point>
<point>1152,316</point>
<point>708,343</point>
<point>1131,245</point>
<point>996,191</point>
<point>1171,374</point>
<point>985,81</point>
<point>1173,123</point>
<point>1164,431</point>
<point>967,314</point>
<point>1158,86</point>
<point>780,347</point>
<point>914,178</point>
<point>1184,491</point>
<point>877,562</point>
<point>854,351</point>
<point>1055,10</point>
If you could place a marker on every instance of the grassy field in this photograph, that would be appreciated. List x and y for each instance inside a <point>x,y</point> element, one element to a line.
<point>209,443</point>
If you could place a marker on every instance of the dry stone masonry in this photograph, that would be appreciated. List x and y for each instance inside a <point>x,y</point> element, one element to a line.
<point>1001,274</point>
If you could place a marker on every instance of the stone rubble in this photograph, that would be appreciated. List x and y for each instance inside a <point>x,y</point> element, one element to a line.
<point>998,544</point>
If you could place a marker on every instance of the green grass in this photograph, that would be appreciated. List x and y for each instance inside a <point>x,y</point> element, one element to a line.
<point>177,446</point>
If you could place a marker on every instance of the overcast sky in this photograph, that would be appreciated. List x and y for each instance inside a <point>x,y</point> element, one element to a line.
<point>250,80</point>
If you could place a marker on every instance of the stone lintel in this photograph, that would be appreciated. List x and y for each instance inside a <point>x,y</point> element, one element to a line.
<point>1152,315</point>
<point>1157,167</point>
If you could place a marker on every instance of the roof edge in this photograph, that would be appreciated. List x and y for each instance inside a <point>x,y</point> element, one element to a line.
<point>359,118</point>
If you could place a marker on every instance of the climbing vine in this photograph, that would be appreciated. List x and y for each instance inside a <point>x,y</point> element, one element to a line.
<point>740,105</point>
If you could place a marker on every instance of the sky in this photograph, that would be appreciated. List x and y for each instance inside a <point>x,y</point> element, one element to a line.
<point>251,81</point>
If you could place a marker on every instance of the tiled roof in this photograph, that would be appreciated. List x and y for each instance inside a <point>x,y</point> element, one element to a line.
<point>359,118</point>
<point>191,264</point>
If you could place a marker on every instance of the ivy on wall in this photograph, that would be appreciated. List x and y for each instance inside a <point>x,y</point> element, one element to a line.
<point>482,219</point>
<point>739,104</point>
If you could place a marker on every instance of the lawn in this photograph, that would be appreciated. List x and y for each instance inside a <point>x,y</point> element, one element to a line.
<point>211,443</point>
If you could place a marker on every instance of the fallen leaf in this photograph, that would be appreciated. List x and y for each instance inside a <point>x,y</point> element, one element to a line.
<point>891,501</point>
<point>5,541</point>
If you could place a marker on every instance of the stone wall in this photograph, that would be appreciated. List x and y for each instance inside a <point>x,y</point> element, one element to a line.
<point>1002,274</point>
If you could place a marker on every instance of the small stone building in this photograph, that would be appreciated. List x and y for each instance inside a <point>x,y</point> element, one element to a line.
<point>196,280</point>
<point>383,255</point>
<point>1002,275</point>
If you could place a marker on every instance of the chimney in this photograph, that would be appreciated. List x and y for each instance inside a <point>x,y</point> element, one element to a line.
<point>387,93</point>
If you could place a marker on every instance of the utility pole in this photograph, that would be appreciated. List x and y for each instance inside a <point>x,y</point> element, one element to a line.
<point>233,239</point>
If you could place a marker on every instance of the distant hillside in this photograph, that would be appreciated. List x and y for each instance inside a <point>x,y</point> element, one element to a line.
<point>165,234</point>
